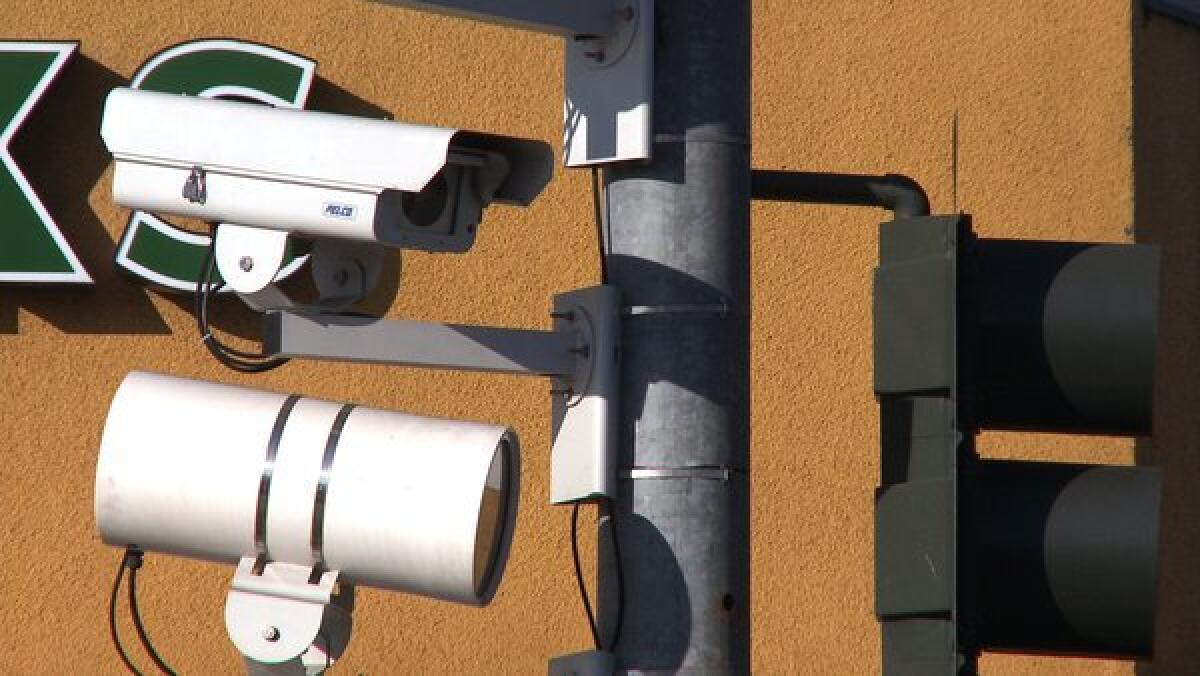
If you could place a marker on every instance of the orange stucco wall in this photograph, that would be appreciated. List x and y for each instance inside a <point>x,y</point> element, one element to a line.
<point>1043,93</point>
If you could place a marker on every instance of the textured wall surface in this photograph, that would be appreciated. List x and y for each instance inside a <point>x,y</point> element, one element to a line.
<point>1044,99</point>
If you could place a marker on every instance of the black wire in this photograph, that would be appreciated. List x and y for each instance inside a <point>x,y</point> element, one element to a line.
<point>598,212</point>
<point>238,360</point>
<point>587,603</point>
<point>601,219</point>
<point>130,554</point>
<point>222,351</point>
<point>137,622</point>
<point>616,543</point>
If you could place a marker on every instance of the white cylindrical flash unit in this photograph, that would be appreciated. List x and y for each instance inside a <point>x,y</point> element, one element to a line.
<point>389,500</point>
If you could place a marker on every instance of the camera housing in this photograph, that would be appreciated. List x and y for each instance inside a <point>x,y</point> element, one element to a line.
<point>401,502</point>
<point>314,174</point>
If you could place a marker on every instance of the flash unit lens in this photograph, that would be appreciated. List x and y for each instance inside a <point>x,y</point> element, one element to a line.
<point>493,518</point>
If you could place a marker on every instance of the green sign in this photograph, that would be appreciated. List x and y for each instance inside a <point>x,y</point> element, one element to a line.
<point>32,248</point>
<point>153,249</point>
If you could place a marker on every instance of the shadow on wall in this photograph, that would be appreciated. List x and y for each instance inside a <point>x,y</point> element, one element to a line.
<point>1166,138</point>
<point>60,151</point>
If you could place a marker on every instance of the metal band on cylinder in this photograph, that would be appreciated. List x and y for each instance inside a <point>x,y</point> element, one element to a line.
<point>317,540</point>
<point>264,484</point>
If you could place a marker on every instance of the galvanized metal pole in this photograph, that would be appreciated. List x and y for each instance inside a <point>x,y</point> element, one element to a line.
<point>678,247</point>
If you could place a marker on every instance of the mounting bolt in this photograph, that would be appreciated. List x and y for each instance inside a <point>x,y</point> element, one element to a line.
<point>270,634</point>
<point>246,264</point>
<point>341,277</point>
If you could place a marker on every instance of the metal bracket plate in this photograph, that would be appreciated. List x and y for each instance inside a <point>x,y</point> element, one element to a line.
<point>249,258</point>
<point>609,67</point>
<point>584,410</point>
<point>607,114</point>
<point>282,623</point>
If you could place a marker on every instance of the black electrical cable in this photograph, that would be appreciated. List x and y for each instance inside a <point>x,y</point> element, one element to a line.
<point>126,560</point>
<point>587,603</point>
<point>616,544</point>
<point>137,621</point>
<point>598,214</point>
<point>238,360</point>
<point>131,562</point>
<point>598,211</point>
<point>583,594</point>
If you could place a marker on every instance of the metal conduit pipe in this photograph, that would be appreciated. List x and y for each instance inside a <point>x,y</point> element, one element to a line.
<point>901,194</point>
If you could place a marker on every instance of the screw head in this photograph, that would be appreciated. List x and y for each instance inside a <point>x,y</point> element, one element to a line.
<point>270,634</point>
<point>246,263</point>
<point>341,277</point>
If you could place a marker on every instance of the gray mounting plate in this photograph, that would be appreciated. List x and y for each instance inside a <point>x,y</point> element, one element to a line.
<point>584,411</point>
<point>607,115</point>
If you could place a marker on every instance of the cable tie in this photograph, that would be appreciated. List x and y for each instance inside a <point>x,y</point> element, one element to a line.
<point>708,472</point>
<point>134,558</point>
<point>721,309</point>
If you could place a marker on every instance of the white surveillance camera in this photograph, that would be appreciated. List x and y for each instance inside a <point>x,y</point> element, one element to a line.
<point>230,474</point>
<point>317,175</point>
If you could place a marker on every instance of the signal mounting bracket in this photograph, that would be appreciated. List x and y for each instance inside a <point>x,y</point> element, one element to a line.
<point>288,619</point>
<point>610,90</point>
<point>609,87</point>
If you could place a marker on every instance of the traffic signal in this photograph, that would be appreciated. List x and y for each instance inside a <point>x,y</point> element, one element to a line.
<point>975,554</point>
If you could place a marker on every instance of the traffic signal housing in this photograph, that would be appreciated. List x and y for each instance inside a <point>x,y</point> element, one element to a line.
<point>977,554</point>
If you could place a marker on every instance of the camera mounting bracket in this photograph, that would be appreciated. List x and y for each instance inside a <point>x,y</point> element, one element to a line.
<point>288,619</point>
<point>609,67</point>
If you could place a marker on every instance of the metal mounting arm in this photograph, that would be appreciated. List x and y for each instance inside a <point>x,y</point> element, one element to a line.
<point>580,355</point>
<point>290,333</point>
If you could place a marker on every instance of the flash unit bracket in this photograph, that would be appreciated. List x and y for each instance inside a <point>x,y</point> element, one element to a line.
<point>284,624</point>
<point>580,355</point>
